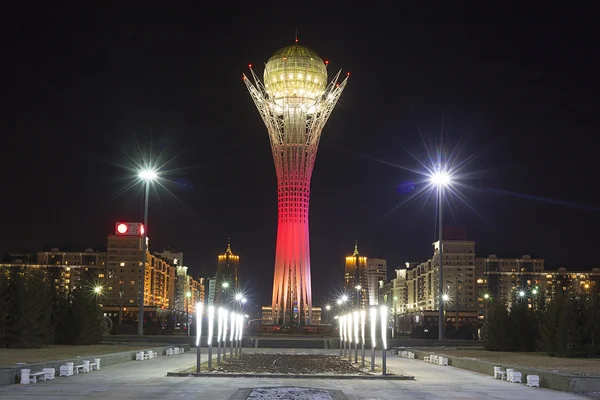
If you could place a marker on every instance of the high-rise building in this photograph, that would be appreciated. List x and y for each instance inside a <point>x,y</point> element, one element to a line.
<point>228,282</point>
<point>355,278</point>
<point>212,289</point>
<point>294,102</point>
<point>123,270</point>
<point>376,272</point>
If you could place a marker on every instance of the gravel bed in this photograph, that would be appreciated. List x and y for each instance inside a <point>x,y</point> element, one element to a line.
<point>293,364</point>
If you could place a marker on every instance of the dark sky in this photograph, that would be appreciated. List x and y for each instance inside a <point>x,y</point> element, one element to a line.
<point>516,88</point>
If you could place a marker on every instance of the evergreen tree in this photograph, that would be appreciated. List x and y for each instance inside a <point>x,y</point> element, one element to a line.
<point>549,325</point>
<point>29,311</point>
<point>570,330</point>
<point>84,318</point>
<point>498,331</point>
<point>593,325</point>
<point>5,297</point>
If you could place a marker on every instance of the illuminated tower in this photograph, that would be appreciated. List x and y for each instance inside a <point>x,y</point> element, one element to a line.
<point>294,102</point>
<point>355,278</point>
<point>228,265</point>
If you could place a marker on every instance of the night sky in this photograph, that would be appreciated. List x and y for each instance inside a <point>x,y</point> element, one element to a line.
<point>516,90</point>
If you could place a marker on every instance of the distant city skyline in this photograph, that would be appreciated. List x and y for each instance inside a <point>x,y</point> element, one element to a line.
<point>85,92</point>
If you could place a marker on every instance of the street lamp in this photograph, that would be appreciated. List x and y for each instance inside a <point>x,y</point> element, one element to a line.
<point>98,292</point>
<point>147,175</point>
<point>440,178</point>
<point>358,288</point>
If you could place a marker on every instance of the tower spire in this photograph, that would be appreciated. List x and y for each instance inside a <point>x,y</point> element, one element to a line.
<point>228,251</point>
<point>355,248</point>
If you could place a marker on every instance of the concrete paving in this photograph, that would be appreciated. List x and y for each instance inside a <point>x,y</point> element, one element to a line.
<point>147,380</point>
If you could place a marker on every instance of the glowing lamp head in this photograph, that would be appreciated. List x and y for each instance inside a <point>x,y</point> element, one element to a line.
<point>486,296</point>
<point>339,302</point>
<point>238,297</point>
<point>328,307</point>
<point>521,293</point>
<point>357,287</point>
<point>98,289</point>
<point>445,297</point>
<point>344,298</point>
<point>122,228</point>
<point>188,294</point>
<point>440,178</point>
<point>534,291</point>
<point>225,285</point>
<point>147,174</point>
<point>295,76</point>
<point>244,300</point>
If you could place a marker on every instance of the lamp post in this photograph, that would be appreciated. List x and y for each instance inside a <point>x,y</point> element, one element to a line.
<point>188,295</point>
<point>98,292</point>
<point>363,315</point>
<point>358,288</point>
<point>220,333</point>
<point>328,312</point>
<point>199,311</point>
<point>342,323</point>
<point>383,311</point>
<point>373,318</point>
<point>224,287</point>
<point>356,316</point>
<point>440,179</point>
<point>147,175</point>
<point>211,322</point>
<point>232,335</point>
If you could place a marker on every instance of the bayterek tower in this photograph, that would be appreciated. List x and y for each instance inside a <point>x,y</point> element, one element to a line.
<point>294,102</point>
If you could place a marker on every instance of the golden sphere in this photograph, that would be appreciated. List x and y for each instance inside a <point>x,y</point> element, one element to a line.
<point>295,76</point>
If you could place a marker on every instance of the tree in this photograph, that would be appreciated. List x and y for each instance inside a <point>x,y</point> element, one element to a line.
<point>549,325</point>
<point>29,310</point>
<point>498,328</point>
<point>5,299</point>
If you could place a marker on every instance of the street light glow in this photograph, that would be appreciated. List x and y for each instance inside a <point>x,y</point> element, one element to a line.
<point>147,174</point>
<point>440,178</point>
<point>357,287</point>
<point>188,294</point>
<point>238,297</point>
<point>225,285</point>
<point>339,302</point>
<point>344,298</point>
<point>486,296</point>
<point>522,293</point>
<point>445,297</point>
<point>98,289</point>
<point>328,307</point>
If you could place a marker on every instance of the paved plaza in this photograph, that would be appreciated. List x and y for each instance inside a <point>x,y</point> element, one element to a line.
<point>148,380</point>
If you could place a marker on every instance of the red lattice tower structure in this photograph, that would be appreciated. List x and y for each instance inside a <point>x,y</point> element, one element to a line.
<point>294,101</point>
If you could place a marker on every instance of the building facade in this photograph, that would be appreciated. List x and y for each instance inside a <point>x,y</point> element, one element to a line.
<point>114,275</point>
<point>376,271</point>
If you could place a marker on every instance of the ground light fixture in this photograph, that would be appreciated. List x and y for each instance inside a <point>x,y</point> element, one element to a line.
<point>240,330</point>
<point>383,311</point>
<point>232,335</point>
<point>363,315</point>
<point>199,311</point>
<point>211,325</point>
<point>221,313</point>
<point>350,334</point>
<point>356,319</point>
<point>341,328</point>
<point>373,318</point>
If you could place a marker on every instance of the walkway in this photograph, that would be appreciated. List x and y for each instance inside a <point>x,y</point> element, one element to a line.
<point>147,380</point>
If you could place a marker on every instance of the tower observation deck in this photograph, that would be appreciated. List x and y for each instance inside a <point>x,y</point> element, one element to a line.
<point>294,101</point>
